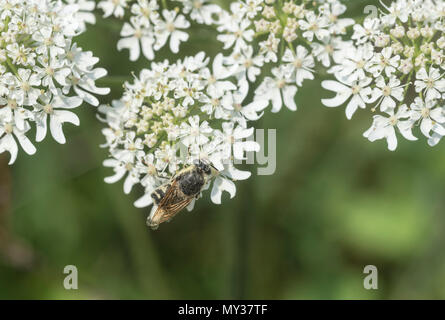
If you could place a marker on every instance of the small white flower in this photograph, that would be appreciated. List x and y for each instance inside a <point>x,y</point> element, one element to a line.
<point>214,102</point>
<point>250,7</point>
<point>27,81</point>
<point>53,107</point>
<point>145,11</point>
<point>367,31</point>
<point>242,113</point>
<point>246,64</point>
<point>278,90</point>
<point>9,133</point>
<point>300,64</point>
<point>170,28</point>
<point>269,48</point>
<point>358,90</point>
<point>195,132</point>
<point>431,117</point>
<point>233,142</point>
<point>217,78</point>
<point>332,11</point>
<point>384,61</point>
<point>135,38</point>
<point>398,10</point>
<point>84,15</point>
<point>166,158</point>
<point>385,127</point>
<point>353,65</point>
<point>430,82</point>
<point>329,48</point>
<point>314,26</point>
<point>238,35</point>
<point>388,93</point>
<point>201,11</point>
<point>113,7</point>
<point>85,86</point>
<point>51,70</point>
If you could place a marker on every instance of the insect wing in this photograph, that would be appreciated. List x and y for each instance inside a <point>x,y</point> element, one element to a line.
<point>173,202</point>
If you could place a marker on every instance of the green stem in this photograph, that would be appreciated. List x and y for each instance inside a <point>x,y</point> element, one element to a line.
<point>113,80</point>
<point>259,34</point>
<point>12,68</point>
<point>291,46</point>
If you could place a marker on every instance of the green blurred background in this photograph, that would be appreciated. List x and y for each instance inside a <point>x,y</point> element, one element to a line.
<point>335,204</point>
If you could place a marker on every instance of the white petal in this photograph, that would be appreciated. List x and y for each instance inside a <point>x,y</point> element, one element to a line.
<point>391,139</point>
<point>175,40</point>
<point>191,205</point>
<point>25,143</point>
<point>127,30</point>
<point>220,185</point>
<point>132,44</point>
<point>236,174</point>
<point>425,126</point>
<point>119,173</point>
<point>334,86</point>
<point>352,106</point>
<point>405,128</point>
<point>387,104</point>
<point>147,48</point>
<point>55,127</point>
<point>129,182</point>
<point>251,146</point>
<point>289,97</point>
<point>70,103</point>
<point>302,75</point>
<point>7,143</point>
<point>41,128</point>
<point>421,74</point>
<point>438,114</point>
<point>439,129</point>
<point>87,97</point>
<point>277,103</point>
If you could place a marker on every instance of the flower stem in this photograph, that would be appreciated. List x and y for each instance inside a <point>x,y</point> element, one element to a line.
<point>12,68</point>
<point>113,80</point>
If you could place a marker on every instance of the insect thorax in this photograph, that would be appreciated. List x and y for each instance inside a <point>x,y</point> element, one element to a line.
<point>191,182</point>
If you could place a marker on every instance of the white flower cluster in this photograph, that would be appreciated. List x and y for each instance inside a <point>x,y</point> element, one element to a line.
<point>152,25</point>
<point>174,114</point>
<point>43,74</point>
<point>286,37</point>
<point>395,65</point>
<point>83,12</point>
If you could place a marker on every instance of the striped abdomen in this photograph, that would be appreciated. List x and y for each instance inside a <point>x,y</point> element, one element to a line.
<point>158,194</point>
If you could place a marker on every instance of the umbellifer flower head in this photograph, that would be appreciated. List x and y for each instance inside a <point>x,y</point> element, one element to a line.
<point>43,74</point>
<point>173,115</point>
<point>289,37</point>
<point>396,66</point>
<point>154,24</point>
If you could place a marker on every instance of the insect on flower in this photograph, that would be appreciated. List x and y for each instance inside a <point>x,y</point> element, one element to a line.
<point>179,192</point>
<point>169,108</point>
